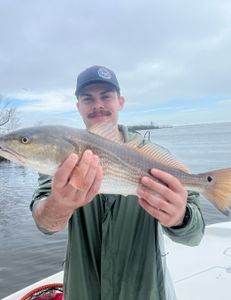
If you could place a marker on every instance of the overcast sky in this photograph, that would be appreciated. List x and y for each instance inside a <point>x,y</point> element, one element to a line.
<point>172,58</point>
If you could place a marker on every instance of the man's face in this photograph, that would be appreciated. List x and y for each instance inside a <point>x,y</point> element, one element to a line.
<point>99,102</point>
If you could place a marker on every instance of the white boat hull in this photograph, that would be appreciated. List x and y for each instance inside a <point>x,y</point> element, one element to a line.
<point>56,278</point>
<point>202,272</point>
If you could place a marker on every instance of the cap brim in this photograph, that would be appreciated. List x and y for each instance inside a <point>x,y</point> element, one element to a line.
<point>80,88</point>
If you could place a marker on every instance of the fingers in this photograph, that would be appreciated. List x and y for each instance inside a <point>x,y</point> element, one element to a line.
<point>94,188</point>
<point>63,174</point>
<point>172,182</point>
<point>75,185</point>
<point>91,181</point>
<point>163,196</point>
<point>86,161</point>
<point>156,187</point>
<point>153,211</point>
<point>154,200</point>
<point>79,175</point>
<point>166,186</point>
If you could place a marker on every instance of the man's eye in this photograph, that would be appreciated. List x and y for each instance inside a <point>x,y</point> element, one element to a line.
<point>106,97</point>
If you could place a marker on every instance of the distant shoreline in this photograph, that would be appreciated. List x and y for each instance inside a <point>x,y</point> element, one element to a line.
<point>147,127</point>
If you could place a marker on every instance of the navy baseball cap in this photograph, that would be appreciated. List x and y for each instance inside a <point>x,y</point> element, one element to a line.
<point>96,74</point>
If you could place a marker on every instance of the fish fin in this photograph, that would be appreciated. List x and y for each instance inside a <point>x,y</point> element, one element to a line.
<point>218,191</point>
<point>156,153</point>
<point>77,180</point>
<point>152,151</point>
<point>106,130</point>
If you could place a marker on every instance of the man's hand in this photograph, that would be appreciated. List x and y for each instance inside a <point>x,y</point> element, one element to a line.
<point>54,212</point>
<point>166,202</point>
<point>88,174</point>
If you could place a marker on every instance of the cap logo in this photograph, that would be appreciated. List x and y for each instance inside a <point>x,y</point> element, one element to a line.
<point>104,73</point>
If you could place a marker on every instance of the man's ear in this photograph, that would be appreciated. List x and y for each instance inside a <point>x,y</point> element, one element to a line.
<point>121,102</point>
<point>77,104</point>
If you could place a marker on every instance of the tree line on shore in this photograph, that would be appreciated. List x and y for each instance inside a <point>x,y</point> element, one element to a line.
<point>9,117</point>
<point>147,127</point>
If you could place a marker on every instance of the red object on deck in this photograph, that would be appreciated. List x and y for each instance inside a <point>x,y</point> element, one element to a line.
<point>58,296</point>
<point>53,291</point>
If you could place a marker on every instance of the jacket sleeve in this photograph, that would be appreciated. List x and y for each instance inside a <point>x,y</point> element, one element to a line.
<point>43,190</point>
<point>41,193</point>
<point>192,233</point>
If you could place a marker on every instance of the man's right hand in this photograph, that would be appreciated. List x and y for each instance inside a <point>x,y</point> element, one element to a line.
<point>53,213</point>
<point>87,174</point>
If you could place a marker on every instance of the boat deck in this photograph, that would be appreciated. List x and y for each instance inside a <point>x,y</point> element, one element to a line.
<point>202,272</point>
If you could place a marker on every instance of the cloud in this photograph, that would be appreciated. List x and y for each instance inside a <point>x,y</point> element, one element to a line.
<point>58,100</point>
<point>225,102</point>
<point>160,50</point>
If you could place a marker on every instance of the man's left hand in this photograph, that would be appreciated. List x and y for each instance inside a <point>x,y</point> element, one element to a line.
<point>165,201</point>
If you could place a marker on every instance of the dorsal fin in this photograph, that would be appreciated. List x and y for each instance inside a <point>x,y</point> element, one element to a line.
<point>106,130</point>
<point>156,153</point>
<point>152,151</point>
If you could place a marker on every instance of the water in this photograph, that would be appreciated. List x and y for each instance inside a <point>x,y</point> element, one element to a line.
<point>201,148</point>
<point>26,255</point>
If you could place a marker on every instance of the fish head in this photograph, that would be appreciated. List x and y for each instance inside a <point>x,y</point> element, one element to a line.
<point>43,148</point>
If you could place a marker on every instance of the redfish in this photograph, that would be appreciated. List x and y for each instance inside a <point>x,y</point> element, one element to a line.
<point>44,148</point>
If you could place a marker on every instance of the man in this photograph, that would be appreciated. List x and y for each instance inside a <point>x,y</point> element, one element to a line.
<point>114,246</point>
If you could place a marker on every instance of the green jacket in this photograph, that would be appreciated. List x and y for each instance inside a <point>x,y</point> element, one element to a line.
<point>115,248</point>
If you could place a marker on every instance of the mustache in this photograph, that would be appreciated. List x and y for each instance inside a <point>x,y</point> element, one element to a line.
<point>100,113</point>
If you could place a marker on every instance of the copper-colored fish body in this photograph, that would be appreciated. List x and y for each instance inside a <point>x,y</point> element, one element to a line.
<point>44,148</point>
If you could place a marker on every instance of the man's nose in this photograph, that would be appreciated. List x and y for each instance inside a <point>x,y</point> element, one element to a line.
<point>98,104</point>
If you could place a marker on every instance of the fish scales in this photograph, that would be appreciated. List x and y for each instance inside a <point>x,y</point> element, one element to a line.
<point>44,148</point>
<point>123,164</point>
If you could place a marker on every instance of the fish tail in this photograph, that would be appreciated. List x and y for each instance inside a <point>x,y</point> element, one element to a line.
<point>218,189</point>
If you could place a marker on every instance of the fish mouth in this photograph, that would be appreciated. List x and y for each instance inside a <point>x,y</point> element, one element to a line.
<point>12,155</point>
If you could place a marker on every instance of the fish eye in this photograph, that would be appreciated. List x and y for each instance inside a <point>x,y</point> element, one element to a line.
<point>25,140</point>
<point>209,178</point>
